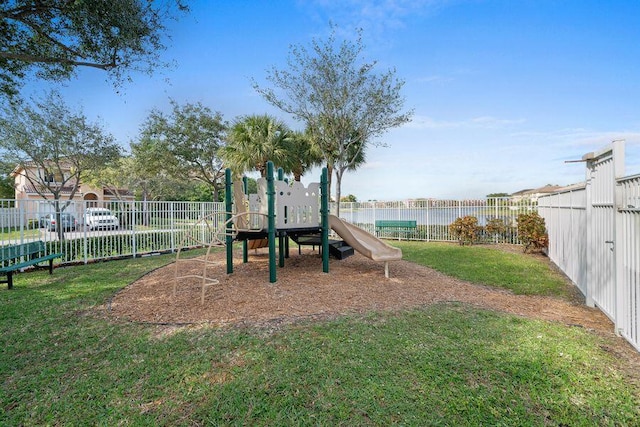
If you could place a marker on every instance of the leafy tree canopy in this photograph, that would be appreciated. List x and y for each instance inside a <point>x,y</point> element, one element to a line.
<point>349,198</point>
<point>256,139</point>
<point>47,135</point>
<point>54,37</point>
<point>53,147</point>
<point>7,189</point>
<point>344,103</point>
<point>186,144</point>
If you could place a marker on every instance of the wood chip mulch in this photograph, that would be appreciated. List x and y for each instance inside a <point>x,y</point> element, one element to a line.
<point>302,290</point>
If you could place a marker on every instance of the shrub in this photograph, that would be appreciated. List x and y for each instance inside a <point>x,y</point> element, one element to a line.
<point>495,227</point>
<point>465,229</point>
<point>532,231</point>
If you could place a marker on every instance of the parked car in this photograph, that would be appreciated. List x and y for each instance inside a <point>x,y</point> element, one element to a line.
<point>67,221</point>
<point>95,218</point>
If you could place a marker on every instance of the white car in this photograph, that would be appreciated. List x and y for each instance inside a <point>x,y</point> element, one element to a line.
<point>95,218</point>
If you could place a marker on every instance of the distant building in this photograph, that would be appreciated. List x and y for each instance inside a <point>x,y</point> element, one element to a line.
<point>28,193</point>
<point>532,194</point>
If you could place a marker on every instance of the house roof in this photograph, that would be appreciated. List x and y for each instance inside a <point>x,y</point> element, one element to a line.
<point>540,190</point>
<point>521,192</point>
<point>31,189</point>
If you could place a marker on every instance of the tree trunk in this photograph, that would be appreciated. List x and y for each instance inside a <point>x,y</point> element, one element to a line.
<point>145,209</point>
<point>338,190</point>
<point>329,176</point>
<point>58,218</point>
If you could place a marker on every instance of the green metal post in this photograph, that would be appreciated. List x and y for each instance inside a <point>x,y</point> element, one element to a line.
<point>281,234</point>
<point>324,213</point>
<point>286,246</point>
<point>245,243</point>
<point>271,219</point>
<point>281,237</point>
<point>228,207</point>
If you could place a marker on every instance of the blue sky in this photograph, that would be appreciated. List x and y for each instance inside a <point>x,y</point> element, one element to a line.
<point>503,91</point>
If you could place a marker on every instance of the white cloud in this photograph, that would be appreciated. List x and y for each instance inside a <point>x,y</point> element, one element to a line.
<point>376,16</point>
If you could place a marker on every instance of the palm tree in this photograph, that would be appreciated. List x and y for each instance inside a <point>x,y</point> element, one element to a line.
<point>254,140</point>
<point>349,155</point>
<point>303,154</point>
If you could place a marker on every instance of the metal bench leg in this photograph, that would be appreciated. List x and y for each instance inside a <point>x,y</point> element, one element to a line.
<point>50,266</point>
<point>10,280</point>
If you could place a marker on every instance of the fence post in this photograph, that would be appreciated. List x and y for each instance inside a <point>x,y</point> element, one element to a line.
<point>589,218</point>
<point>374,219</point>
<point>172,224</point>
<point>23,215</point>
<point>86,237</point>
<point>134,241</point>
<point>618,251</point>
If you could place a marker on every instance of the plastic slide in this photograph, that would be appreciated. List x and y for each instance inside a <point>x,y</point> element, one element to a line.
<point>365,243</point>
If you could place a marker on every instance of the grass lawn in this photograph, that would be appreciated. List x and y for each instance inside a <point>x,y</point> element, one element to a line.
<point>446,364</point>
<point>523,275</point>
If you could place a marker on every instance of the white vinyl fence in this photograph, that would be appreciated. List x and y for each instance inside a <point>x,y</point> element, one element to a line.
<point>594,237</point>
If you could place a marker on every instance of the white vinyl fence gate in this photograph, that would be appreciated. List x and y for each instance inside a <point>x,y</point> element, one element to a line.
<point>594,237</point>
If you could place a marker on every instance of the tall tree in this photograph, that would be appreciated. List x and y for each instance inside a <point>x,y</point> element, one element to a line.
<point>153,167</point>
<point>46,139</point>
<point>303,154</point>
<point>7,187</point>
<point>117,177</point>
<point>194,136</point>
<point>344,104</point>
<point>256,139</point>
<point>54,37</point>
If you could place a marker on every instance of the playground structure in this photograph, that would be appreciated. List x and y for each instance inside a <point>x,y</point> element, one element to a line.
<point>279,211</point>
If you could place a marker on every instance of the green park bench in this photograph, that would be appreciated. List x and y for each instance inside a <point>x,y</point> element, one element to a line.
<point>401,228</point>
<point>16,257</point>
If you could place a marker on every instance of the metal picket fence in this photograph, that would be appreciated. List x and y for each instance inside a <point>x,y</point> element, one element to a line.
<point>144,227</point>
<point>155,226</point>
<point>434,216</point>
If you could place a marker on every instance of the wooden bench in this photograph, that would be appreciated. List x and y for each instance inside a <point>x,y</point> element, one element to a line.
<point>398,226</point>
<point>17,257</point>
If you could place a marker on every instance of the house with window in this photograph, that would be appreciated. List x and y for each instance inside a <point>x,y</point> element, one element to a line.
<point>34,186</point>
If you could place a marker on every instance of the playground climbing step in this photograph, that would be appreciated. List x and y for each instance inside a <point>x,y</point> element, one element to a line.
<point>340,250</point>
<point>337,248</point>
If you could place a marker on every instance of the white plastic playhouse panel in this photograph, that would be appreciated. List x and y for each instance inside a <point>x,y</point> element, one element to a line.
<point>297,206</point>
